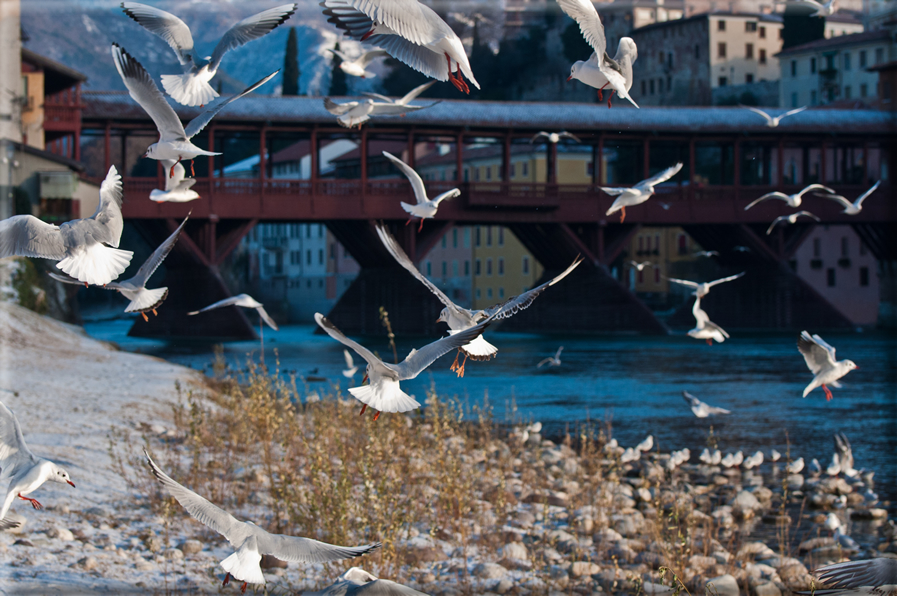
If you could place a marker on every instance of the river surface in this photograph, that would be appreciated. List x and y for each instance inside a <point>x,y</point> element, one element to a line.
<point>634,382</point>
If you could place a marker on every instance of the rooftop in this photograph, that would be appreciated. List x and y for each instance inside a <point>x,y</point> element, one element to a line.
<point>841,41</point>
<point>766,18</point>
<point>64,77</point>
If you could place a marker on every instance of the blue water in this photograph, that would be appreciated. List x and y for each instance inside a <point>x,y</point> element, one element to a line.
<point>636,382</point>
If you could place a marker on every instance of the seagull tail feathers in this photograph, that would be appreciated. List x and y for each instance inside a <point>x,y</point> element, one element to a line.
<point>148,300</point>
<point>244,565</point>
<point>388,398</point>
<point>480,349</point>
<point>188,89</point>
<point>96,265</point>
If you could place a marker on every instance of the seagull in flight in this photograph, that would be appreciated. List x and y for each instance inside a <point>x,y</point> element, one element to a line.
<point>178,189</point>
<point>192,88</point>
<point>407,98</point>
<point>357,67</point>
<point>25,471</point>
<point>357,112</point>
<point>792,200</point>
<point>704,327</point>
<point>459,319</point>
<point>87,249</point>
<point>706,253</point>
<point>134,289</point>
<point>384,393</point>
<point>249,540</point>
<point>244,300</point>
<point>358,582</point>
<point>641,192</point>
<point>850,208</point>
<point>774,122</point>
<point>792,219</point>
<point>702,289</point>
<point>822,10</point>
<point>424,208</point>
<point>820,358</point>
<point>700,409</point>
<point>351,367</point>
<point>554,137</point>
<point>174,139</point>
<point>552,360</point>
<point>641,266</point>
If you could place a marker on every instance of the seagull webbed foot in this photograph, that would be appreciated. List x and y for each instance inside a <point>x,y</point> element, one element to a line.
<point>33,502</point>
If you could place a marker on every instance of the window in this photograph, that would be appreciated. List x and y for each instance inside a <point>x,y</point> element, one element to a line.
<point>794,68</point>
<point>864,276</point>
<point>846,60</point>
<point>657,275</point>
<point>812,65</point>
<point>444,269</point>
<point>501,266</point>
<point>444,242</point>
<point>525,266</point>
<point>488,267</point>
<point>847,92</point>
<point>844,254</point>
<point>762,57</point>
<point>657,243</point>
<point>723,81</point>
<point>660,85</point>
<point>489,293</point>
<point>477,269</point>
<point>879,55</point>
<point>501,292</point>
<point>308,257</point>
<point>697,52</point>
<point>682,242</point>
<point>817,247</point>
<point>651,86</point>
<point>477,241</point>
<point>641,276</point>
<point>644,87</point>
<point>525,168</point>
<point>466,175</point>
<point>320,256</point>
<point>501,236</point>
<point>794,99</point>
<point>466,267</point>
<point>476,174</point>
<point>488,235</point>
<point>748,78</point>
<point>641,243</point>
<point>721,25</point>
<point>488,172</point>
<point>721,49</point>
<point>660,57</point>
<point>862,249</point>
<point>429,268</point>
<point>750,27</point>
<point>762,32</point>
<point>864,89</point>
<point>308,230</point>
<point>813,97</point>
<point>862,58</point>
<point>320,230</point>
<point>455,238</point>
<point>830,277</point>
<point>749,51</point>
<point>478,292</point>
<point>513,170</point>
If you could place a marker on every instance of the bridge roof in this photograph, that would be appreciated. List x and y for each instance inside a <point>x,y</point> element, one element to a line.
<point>532,116</point>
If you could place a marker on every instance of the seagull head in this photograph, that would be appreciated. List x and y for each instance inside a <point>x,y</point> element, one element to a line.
<point>61,476</point>
<point>850,364</point>
<point>575,70</point>
<point>151,151</point>
<point>443,316</point>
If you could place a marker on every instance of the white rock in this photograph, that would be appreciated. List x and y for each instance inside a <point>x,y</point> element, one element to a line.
<point>61,534</point>
<point>489,571</point>
<point>583,568</point>
<point>515,550</point>
<point>724,585</point>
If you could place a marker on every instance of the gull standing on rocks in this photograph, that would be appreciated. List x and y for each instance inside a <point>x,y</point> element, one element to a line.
<point>796,466</point>
<point>134,289</point>
<point>700,409</point>
<point>616,72</point>
<point>702,289</point>
<point>820,358</point>
<point>753,461</point>
<point>174,139</point>
<point>249,540</point>
<point>25,471</point>
<point>554,137</point>
<point>177,188</point>
<point>552,360</point>
<point>704,327</point>
<point>872,577</point>
<point>357,67</point>
<point>646,445</point>
<point>384,393</point>
<point>409,31</point>
<point>774,456</point>
<point>87,249</point>
<point>246,301</point>
<point>773,122</point>
<point>850,208</point>
<point>459,319</point>
<point>641,192</point>
<point>424,208</point>
<point>792,200</point>
<point>358,582</point>
<point>192,88</point>
<point>792,219</point>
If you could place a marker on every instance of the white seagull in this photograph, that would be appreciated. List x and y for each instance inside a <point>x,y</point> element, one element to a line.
<point>409,31</point>
<point>638,194</point>
<point>351,367</point>
<point>174,139</point>
<point>792,219</point>
<point>834,468</point>
<point>552,360</point>
<point>554,137</point>
<point>822,10</point>
<point>702,289</point>
<point>872,577</point>
<point>820,358</point>
<point>192,88</point>
<point>796,466</point>
<point>244,300</point>
<point>384,393</point>
<point>25,471</point>
<point>850,208</point>
<point>358,582</point>
<point>457,318</point>
<point>775,455</point>
<point>249,540</point>
<point>646,445</point>
<point>706,253</point>
<point>641,266</point>
<point>134,289</point>
<point>773,122</point>
<point>356,113</point>
<point>704,328</point>
<point>407,98</point>
<point>177,188</point>
<point>753,461</point>
<point>357,67</point>
<point>424,208</point>
<point>792,200</point>
<point>87,249</point>
<point>700,409</point>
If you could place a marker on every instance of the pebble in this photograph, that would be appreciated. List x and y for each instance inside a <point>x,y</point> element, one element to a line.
<point>61,534</point>
<point>489,571</point>
<point>88,563</point>
<point>190,547</point>
<point>724,585</point>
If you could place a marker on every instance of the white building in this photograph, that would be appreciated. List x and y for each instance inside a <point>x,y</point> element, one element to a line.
<point>835,69</point>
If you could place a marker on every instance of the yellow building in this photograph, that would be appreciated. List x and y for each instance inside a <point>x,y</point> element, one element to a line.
<point>662,247</point>
<point>502,267</point>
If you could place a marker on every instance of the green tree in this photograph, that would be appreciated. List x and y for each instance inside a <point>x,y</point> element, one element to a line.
<point>338,85</point>
<point>291,65</point>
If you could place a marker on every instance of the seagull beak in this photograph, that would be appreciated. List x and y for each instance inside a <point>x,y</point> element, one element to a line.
<point>72,483</point>
<point>368,34</point>
<point>365,379</point>
<point>856,367</point>
<point>568,78</point>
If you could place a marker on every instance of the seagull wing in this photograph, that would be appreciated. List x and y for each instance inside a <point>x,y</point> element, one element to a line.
<point>859,202</point>
<point>267,318</point>
<point>776,222</point>
<point>817,355</point>
<point>558,353</point>
<point>805,214</point>
<point>837,198</point>
<point>402,259</point>
<point>684,282</point>
<point>341,55</point>
<point>584,13</point>
<point>164,24</point>
<point>14,454</point>
<point>411,95</point>
<point>711,325</point>
<point>306,550</point>
<point>412,20</point>
<point>145,92</point>
<point>544,362</point>
<point>107,223</point>
<point>760,112</point>
<point>359,349</point>
<point>199,123</point>
<point>515,304</point>
<point>220,304</point>
<point>568,135</point>
<point>251,28</point>
<point>792,112</point>
<point>701,318</point>
<point>691,399</point>
<point>369,57</point>
<point>856,574</point>
<point>202,510</point>
<point>770,195</point>
<point>382,587</point>
<point>723,280</point>
<point>369,94</point>
<point>152,263</point>
<point>338,109</point>
<point>815,187</point>
<point>538,135</point>
<point>27,236</point>
<point>418,360</point>
<point>350,362</point>
<point>660,177</point>
<point>417,184</point>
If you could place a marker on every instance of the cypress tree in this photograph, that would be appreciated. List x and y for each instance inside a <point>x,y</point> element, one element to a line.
<point>338,85</point>
<point>291,65</point>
